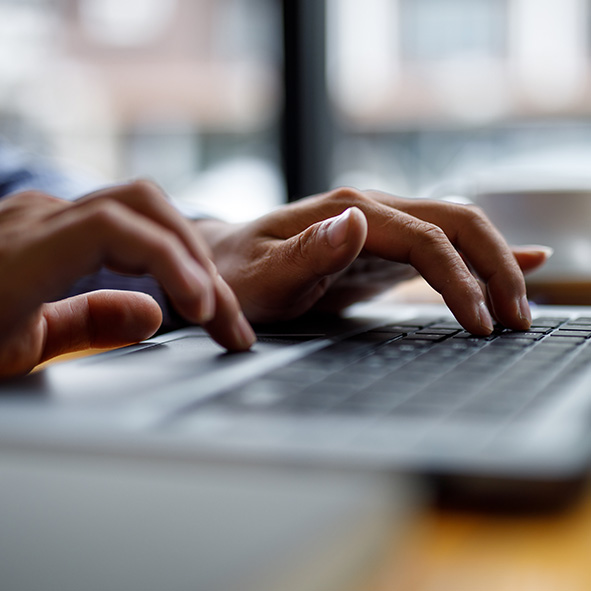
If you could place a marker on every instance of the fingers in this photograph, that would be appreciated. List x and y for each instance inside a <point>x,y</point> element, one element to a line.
<point>229,327</point>
<point>47,243</point>
<point>217,308</point>
<point>447,243</point>
<point>148,200</point>
<point>130,229</point>
<point>291,263</point>
<point>398,236</point>
<point>100,319</point>
<point>108,233</point>
<point>531,257</point>
<point>469,231</point>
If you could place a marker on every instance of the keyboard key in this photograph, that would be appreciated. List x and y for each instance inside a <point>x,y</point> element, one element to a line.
<point>561,341</point>
<point>575,326</point>
<point>582,320</point>
<point>548,322</point>
<point>438,331</point>
<point>571,333</point>
<point>451,324</point>
<point>539,329</point>
<point>536,336</point>
<point>420,322</point>
<point>395,329</point>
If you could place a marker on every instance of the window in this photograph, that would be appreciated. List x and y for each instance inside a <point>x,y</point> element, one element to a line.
<point>434,30</point>
<point>424,90</point>
<point>184,91</point>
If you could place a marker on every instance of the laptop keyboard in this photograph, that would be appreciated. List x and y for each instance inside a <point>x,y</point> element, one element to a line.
<point>424,367</point>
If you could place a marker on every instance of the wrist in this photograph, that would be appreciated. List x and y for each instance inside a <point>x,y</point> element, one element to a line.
<point>218,234</point>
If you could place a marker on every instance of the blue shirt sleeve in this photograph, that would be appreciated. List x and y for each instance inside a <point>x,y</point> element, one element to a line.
<point>22,172</point>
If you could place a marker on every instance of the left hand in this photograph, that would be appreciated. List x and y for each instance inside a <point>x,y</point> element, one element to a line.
<point>47,243</point>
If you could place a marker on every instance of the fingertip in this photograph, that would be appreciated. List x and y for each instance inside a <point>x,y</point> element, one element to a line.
<point>244,336</point>
<point>476,320</point>
<point>524,312</point>
<point>229,327</point>
<point>206,306</point>
<point>123,317</point>
<point>530,257</point>
<point>546,251</point>
<point>485,318</point>
<point>341,229</point>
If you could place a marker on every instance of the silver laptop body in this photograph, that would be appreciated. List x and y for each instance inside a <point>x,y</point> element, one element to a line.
<point>334,391</point>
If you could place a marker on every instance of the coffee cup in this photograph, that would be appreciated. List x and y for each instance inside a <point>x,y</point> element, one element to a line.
<point>554,217</point>
<point>543,213</point>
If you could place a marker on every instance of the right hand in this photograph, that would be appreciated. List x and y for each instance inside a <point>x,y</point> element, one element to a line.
<point>47,243</point>
<point>333,249</point>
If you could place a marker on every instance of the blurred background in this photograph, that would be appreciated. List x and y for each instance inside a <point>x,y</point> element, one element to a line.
<point>238,105</point>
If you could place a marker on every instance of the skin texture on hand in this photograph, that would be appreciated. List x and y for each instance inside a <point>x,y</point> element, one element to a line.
<point>333,249</point>
<point>47,243</point>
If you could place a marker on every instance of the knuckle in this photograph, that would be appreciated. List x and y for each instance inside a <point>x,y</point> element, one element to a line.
<point>33,198</point>
<point>103,214</point>
<point>146,190</point>
<point>433,233</point>
<point>429,235</point>
<point>301,256</point>
<point>300,246</point>
<point>144,185</point>
<point>476,215</point>
<point>427,238</point>
<point>347,196</point>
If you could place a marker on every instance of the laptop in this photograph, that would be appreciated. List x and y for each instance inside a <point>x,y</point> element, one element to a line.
<point>385,387</point>
<point>87,521</point>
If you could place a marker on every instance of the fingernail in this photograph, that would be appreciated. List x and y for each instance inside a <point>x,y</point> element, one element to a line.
<point>243,332</point>
<point>202,290</point>
<point>207,311</point>
<point>548,251</point>
<point>524,310</point>
<point>486,320</point>
<point>337,229</point>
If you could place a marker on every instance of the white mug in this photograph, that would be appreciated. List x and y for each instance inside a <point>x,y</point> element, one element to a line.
<point>558,218</point>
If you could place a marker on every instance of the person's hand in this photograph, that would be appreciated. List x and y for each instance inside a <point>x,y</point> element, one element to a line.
<point>47,243</point>
<point>346,245</point>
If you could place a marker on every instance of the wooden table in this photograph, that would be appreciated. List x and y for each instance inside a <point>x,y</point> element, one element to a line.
<point>446,550</point>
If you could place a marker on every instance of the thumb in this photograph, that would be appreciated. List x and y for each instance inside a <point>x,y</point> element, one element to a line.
<point>309,259</point>
<point>297,271</point>
<point>531,257</point>
<point>99,319</point>
<point>329,246</point>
